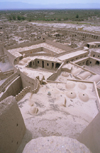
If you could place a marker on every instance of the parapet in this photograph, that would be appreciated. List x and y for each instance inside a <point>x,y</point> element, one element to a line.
<point>12,127</point>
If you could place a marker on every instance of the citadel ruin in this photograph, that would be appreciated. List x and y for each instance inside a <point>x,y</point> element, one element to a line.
<point>49,88</point>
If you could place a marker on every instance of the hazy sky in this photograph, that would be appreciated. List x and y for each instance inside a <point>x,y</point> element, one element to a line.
<point>53,1</point>
<point>50,4</point>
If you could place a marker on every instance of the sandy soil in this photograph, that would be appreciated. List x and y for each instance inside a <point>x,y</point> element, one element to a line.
<point>51,112</point>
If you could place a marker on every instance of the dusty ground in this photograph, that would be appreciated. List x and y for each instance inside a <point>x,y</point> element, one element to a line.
<point>55,117</point>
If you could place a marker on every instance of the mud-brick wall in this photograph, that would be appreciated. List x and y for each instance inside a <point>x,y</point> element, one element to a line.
<point>6,74</point>
<point>10,57</point>
<point>13,89</point>
<point>98,91</point>
<point>12,127</point>
<point>91,135</point>
<point>27,81</point>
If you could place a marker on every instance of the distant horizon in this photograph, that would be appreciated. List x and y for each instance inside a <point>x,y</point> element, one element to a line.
<point>20,5</point>
<point>50,9</point>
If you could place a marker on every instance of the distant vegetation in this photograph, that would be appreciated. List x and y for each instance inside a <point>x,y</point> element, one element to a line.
<point>50,15</point>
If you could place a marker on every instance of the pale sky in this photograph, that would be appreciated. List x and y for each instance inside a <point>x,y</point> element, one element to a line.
<point>53,1</point>
<point>49,4</point>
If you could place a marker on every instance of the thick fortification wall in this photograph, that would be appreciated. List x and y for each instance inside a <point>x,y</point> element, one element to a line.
<point>12,127</point>
<point>27,81</point>
<point>91,135</point>
<point>14,88</point>
<point>10,57</point>
<point>28,89</point>
<point>22,93</point>
<point>8,81</point>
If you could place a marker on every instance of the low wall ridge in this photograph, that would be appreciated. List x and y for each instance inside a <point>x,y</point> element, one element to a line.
<point>22,93</point>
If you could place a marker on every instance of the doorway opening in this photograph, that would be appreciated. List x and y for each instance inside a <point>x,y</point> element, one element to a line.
<point>42,64</point>
<point>52,65</point>
<point>97,62</point>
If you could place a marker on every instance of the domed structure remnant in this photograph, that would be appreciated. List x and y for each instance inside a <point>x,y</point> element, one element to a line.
<point>82,86</point>
<point>84,97</point>
<point>71,94</point>
<point>65,74</point>
<point>70,85</point>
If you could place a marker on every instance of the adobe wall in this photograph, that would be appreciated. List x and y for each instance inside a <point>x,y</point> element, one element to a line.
<point>28,53</point>
<point>89,35</point>
<point>74,58</point>
<point>24,44</point>
<point>34,52</point>
<point>93,45</point>
<point>82,68</point>
<point>1,49</point>
<point>55,74</point>
<point>42,54</point>
<point>12,127</point>
<point>98,91</point>
<point>14,88</point>
<point>91,135</point>
<point>36,86</point>
<point>47,64</point>
<point>95,54</point>
<point>6,74</point>
<point>16,60</point>
<point>11,57</point>
<point>49,51</point>
<point>52,77</point>
<point>51,65</point>
<point>31,51</point>
<point>22,93</point>
<point>58,45</point>
<point>8,81</point>
<point>92,61</point>
<point>74,33</point>
<point>97,94</point>
<point>5,50</point>
<point>2,57</point>
<point>82,61</point>
<point>33,89</point>
<point>27,81</point>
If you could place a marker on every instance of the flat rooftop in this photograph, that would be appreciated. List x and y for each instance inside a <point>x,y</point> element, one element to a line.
<point>93,43</point>
<point>42,45</point>
<point>96,50</point>
<point>71,55</point>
